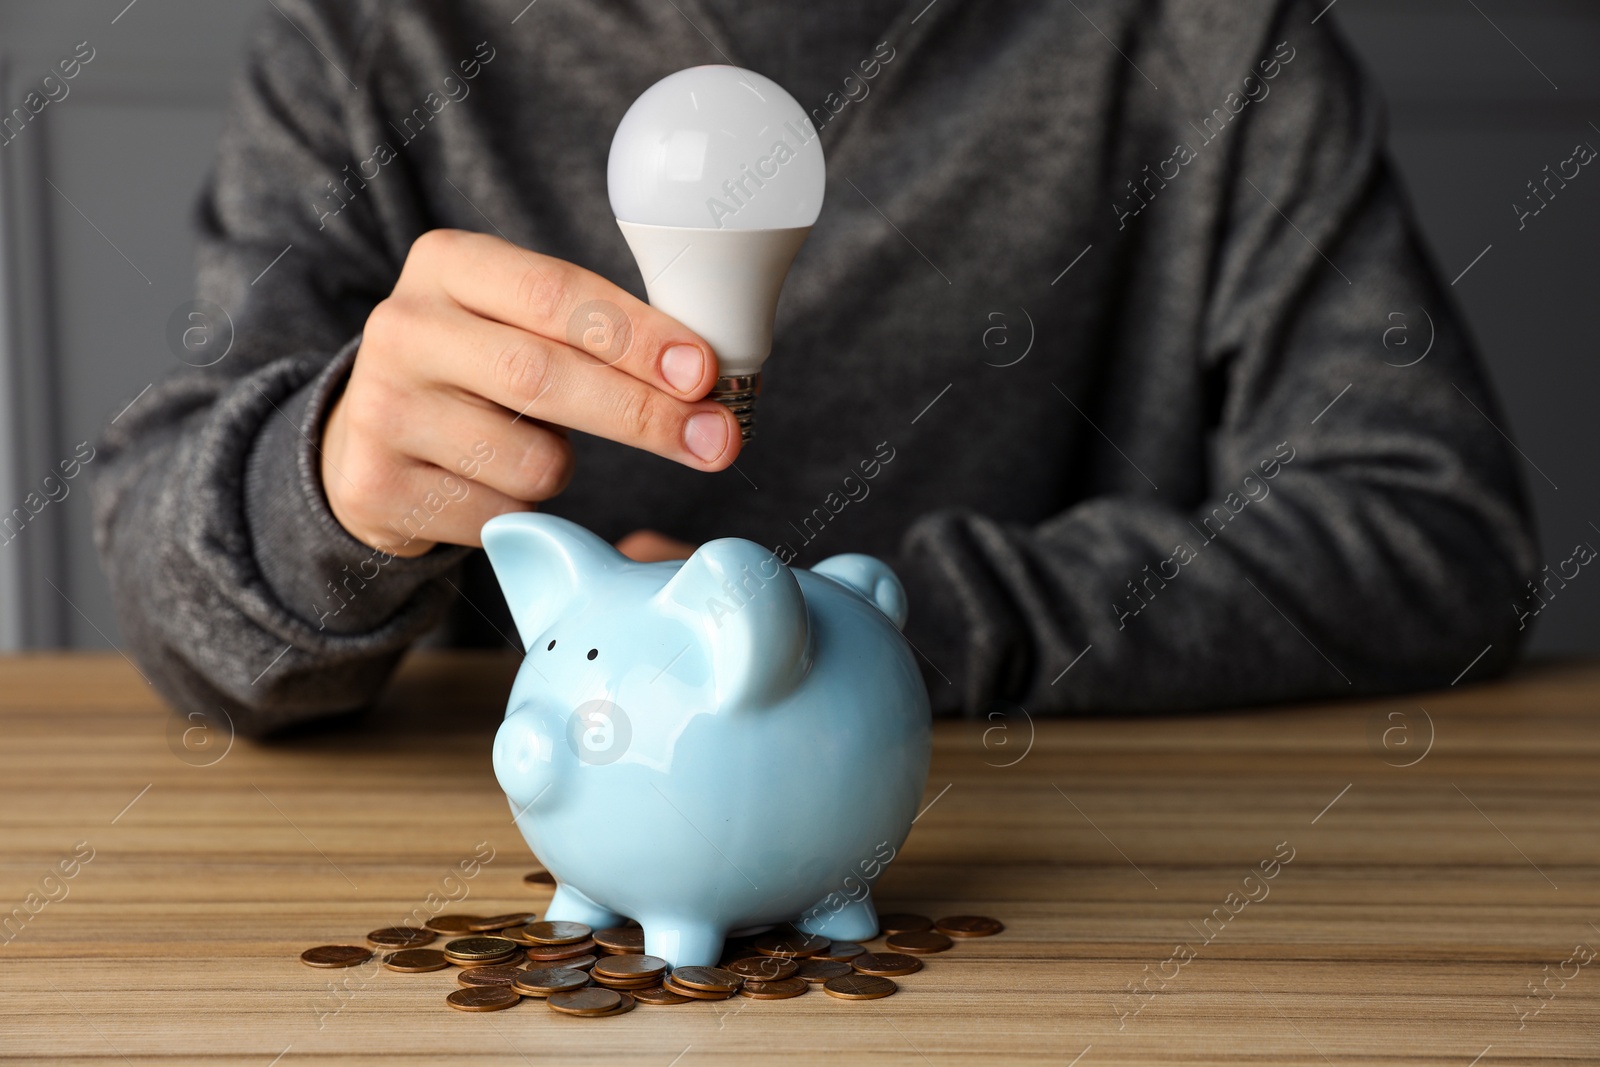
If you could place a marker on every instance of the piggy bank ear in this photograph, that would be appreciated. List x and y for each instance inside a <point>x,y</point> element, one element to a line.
<point>542,562</point>
<point>750,615</point>
<point>872,578</point>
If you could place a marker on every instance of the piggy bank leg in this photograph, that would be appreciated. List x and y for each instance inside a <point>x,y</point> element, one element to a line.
<point>570,906</point>
<point>683,943</point>
<point>856,921</point>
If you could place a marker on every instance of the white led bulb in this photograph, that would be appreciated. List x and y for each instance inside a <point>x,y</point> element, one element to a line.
<point>716,177</point>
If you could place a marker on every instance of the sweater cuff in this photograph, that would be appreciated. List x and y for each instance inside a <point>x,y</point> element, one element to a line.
<point>314,568</point>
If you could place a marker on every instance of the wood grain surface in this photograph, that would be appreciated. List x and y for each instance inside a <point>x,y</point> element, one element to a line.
<point>1434,889</point>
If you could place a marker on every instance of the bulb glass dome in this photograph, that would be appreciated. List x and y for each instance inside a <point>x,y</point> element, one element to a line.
<point>716,147</point>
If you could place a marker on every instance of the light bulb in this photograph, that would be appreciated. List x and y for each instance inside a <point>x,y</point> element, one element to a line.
<point>716,177</point>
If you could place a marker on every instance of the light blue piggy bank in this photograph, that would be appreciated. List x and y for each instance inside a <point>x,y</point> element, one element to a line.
<point>710,745</point>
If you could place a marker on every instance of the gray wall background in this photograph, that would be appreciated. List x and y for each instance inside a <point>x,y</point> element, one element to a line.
<point>95,250</point>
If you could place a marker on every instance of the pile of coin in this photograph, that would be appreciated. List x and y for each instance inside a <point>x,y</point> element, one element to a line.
<point>502,959</point>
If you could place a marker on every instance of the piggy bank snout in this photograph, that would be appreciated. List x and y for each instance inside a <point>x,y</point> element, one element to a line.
<point>525,756</point>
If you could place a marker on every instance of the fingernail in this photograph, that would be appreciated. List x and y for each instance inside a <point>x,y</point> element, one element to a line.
<point>682,367</point>
<point>706,435</point>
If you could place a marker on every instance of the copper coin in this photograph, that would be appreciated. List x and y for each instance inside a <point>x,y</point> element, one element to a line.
<point>929,941</point>
<point>899,922</point>
<point>571,963</point>
<point>630,966</point>
<point>559,952</point>
<point>591,1000</point>
<point>482,998</point>
<point>539,878</point>
<point>500,922</point>
<point>621,1009</point>
<point>486,961</point>
<point>659,995</point>
<point>763,968</point>
<point>542,981</point>
<point>714,979</point>
<point>335,956</point>
<point>884,964</point>
<point>556,933</point>
<point>621,939</point>
<point>400,937</point>
<point>452,924</point>
<point>819,971</point>
<point>790,944</point>
<point>779,990</point>
<point>969,926</point>
<point>416,960</point>
<point>498,974</point>
<point>694,994</point>
<point>625,983</point>
<point>841,950</point>
<point>477,948</point>
<point>859,987</point>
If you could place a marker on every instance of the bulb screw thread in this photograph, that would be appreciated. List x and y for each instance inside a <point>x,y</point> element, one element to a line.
<point>738,392</point>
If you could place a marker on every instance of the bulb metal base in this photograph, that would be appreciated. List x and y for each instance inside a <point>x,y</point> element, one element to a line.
<point>738,392</point>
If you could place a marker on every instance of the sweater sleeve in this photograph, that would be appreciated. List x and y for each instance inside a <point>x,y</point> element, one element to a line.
<point>1363,527</point>
<point>235,586</point>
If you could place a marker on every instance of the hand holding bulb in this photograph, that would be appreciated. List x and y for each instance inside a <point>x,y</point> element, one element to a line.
<point>715,177</point>
<point>472,354</point>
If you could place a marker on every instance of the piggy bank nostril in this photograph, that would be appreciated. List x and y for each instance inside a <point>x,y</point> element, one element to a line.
<point>593,652</point>
<point>551,645</point>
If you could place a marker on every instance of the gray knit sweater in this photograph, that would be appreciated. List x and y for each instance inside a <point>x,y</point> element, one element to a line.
<point>1088,344</point>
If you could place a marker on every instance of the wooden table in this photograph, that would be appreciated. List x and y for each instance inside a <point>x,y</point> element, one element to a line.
<point>1419,893</point>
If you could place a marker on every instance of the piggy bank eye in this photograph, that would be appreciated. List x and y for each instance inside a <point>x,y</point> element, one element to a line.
<point>551,645</point>
<point>593,652</point>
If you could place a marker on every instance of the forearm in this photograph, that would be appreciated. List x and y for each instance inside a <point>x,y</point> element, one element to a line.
<point>215,538</point>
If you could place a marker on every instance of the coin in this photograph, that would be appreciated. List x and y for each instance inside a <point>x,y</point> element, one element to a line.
<point>694,994</point>
<point>763,968</point>
<point>658,995</point>
<point>922,944</point>
<point>969,926</point>
<point>818,971</point>
<point>625,983</point>
<point>841,950</point>
<point>467,961</point>
<point>630,966</point>
<point>497,974</point>
<point>782,989</point>
<point>500,922</point>
<point>479,948</point>
<point>886,963</point>
<point>482,998</point>
<point>620,939</point>
<point>556,933</point>
<point>572,963</point>
<point>559,952</point>
<point>400,937</point>
<point>789,944</point>
<point>452,924</point>
<point>543,981</point>
<point>899,922</point>
<point>714,979</point>
<point>335,956</point>
<point>590,1000</point>
<point>416,960</point>
<point>625,1006</point>
<point>859,987</point>
<point>539,878</point>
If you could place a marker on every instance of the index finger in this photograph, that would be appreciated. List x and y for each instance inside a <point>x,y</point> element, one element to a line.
<point>498,280</point>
